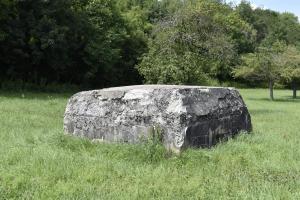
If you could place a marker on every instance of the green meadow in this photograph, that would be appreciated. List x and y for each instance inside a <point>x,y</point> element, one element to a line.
<point>37,161</point>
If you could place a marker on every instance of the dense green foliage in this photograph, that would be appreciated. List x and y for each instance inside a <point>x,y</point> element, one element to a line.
<point>39,162</point>
<point>100,43</point>
<point>208,40</point>
<point>74,41</point>
<point>275,57</point>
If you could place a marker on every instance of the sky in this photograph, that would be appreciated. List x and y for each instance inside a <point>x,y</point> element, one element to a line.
<point>292,6</point>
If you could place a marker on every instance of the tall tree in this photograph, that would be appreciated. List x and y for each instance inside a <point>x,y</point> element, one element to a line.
<point>197,44</point>
<point>290,71</point>
<point>263,65</point>
<point>185,50</point>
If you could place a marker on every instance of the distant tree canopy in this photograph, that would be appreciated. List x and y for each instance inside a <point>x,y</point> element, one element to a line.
<point>101,43</point>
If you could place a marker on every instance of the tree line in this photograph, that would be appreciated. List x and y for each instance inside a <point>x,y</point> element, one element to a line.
<point>102,43</point>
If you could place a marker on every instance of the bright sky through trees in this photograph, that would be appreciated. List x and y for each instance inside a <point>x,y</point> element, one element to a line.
<point>292,6</point>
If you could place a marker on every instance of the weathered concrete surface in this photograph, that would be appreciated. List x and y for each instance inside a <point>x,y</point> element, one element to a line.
<point>185,115</point>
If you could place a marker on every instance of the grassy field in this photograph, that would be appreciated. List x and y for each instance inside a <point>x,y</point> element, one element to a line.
<point>37,161</point>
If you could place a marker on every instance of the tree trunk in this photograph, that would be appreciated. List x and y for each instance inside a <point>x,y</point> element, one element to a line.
<point>271,84</point>
<point>294,87</point>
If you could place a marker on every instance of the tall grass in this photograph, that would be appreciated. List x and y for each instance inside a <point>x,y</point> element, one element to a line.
<point>37,161</point>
